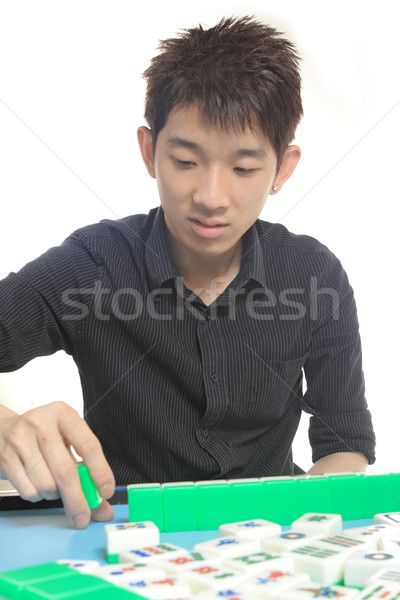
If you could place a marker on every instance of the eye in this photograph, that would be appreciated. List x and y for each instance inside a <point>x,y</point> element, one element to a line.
<point>185,164</point>
<point>242,171</point>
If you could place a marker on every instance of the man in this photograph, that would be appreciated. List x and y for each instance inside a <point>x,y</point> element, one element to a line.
<point>192,326</point>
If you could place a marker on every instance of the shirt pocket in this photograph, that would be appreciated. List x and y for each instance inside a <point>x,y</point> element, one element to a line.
<point>272,386</point>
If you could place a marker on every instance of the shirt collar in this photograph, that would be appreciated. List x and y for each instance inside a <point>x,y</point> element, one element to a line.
<point>162,268</point>
<point>253,261</point>
<point>160,265</point>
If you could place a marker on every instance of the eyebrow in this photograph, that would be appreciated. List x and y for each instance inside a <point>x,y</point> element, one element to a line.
<point>257,152</point>
<point>178,141</point>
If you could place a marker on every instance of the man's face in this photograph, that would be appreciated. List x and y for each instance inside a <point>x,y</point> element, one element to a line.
<point>212,184</point>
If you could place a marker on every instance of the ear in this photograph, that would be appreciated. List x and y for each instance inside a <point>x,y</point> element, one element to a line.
<point>289,162</point>
<point>145,140</point>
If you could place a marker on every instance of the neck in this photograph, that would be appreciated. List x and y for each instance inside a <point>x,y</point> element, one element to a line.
<point>206,276</point>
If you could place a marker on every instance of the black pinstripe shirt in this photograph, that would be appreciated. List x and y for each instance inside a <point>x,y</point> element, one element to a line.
<point>176,390</point>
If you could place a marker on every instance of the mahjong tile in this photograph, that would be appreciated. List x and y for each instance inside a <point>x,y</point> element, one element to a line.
<point>228,547</point>
<point>318,523</point>
<point>176,565</point>
<point>252,529</point>
<point>379,591</point>
<point>390,542</point>
<point>347,542</point>
<point>128,536</point>
<point>163,588</point>
<point>128,571</point>
<point>157,553</point>
<point>390,577</point>
<point>361,565</point>
<point>388,518</point>
<point>324,558</point>
<point>260,561</point>
<point>212,577</point>
<point>286,540</point>
<point>267,585</point>
<point>225,594</point>
<point>311,590</point>
<point>82,566</point>
<point>371,532</point>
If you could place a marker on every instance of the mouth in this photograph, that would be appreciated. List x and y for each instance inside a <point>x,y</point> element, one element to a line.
<point>207,228</point>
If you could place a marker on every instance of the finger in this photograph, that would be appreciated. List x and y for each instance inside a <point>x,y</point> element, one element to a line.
<point>39,473</point>
<point>42,480</point>
<point>54,443</point>
<point>66,476</point>
<point>62,465</point>
<point>68,428</point>
<point>19,479</point>
<point>104,512</point>
<point>77,432</point>
<point>25,465</point>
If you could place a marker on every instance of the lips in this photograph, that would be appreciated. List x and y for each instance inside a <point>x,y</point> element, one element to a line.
<point>207,228</point>
<point>208,223</point>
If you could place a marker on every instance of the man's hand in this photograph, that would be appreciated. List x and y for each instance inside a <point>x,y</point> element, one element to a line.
<point>35,457</point>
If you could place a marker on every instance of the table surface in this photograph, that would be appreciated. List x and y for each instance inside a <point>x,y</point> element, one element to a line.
<point>30,537</point>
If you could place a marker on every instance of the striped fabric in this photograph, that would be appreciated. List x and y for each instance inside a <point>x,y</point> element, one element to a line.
<point>176,390</point>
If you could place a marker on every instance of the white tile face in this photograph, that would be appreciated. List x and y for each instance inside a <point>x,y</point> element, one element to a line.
<point>212,577</point>
<point>347,543</point>
<point>379,592</point>
<point>312,590</point>
<point>388,577</point>
<point>128,572</point>
<point>287,541</point>
<point>82,566</point>
<point>260,561</point>
<point>390,542</point>
<point>151,554</point>
<point>269,584</point>
<point>371,532</point>
<point>164,588</point>
<point>226,594</point>
<point>388,518</point>
<point>127,536</point>
<point>323,559</point>
<point>318,523</point>
<point>322,563</point>
<point>228,547</point>
<point>188,561</point>
<point>361,565</point>
<point>254,529</point>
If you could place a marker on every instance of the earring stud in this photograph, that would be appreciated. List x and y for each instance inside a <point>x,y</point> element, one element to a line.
<point>274,188</point>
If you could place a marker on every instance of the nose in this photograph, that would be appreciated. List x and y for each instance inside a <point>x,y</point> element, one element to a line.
<point>211,192</point>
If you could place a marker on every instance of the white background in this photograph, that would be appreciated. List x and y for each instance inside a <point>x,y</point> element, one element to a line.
<point>71,99</point>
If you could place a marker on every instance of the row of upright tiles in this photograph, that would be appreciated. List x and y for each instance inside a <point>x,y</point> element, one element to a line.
<point>205,505</point>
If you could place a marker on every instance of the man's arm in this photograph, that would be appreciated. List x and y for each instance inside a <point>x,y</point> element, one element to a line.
<point>35,447</point>
<point>341,432</point>
<point>340,462</point>
<point>35,457</point>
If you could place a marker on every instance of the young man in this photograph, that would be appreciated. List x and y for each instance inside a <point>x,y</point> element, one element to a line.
<point>192,326</point>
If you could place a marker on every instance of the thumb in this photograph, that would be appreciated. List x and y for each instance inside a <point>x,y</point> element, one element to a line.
<point>104,512</point>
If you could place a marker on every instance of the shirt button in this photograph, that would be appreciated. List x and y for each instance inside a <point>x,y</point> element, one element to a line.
<point>205,433</point>
<point>207,315</point>
<point>214,377</point>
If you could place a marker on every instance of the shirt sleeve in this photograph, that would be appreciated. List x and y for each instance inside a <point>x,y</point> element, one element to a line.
<point>42,307</point>
<point>335,396</point>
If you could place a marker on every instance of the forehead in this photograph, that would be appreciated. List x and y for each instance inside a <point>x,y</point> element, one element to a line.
<point>191,124</point>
